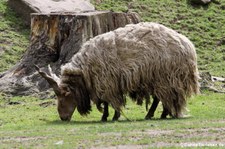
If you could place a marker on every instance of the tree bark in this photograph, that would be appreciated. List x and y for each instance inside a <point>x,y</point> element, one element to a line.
<point>55,38</point>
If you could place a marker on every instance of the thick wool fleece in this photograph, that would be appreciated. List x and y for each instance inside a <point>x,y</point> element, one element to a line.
<point>146,56</point>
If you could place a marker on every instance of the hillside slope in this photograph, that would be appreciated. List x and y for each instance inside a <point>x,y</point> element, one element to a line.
<point>13,37</point>
<point>203,25</point>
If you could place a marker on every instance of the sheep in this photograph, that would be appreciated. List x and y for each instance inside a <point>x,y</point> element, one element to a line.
<point>140,60</point>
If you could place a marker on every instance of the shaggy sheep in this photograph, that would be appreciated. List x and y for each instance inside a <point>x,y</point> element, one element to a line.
<point>140,60</point>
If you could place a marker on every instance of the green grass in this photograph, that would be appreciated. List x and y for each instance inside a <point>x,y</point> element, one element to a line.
<point>29,124</point>
<point>204,26</point>
<point>13,37</point>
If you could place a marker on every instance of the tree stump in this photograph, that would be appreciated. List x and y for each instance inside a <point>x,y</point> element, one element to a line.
<point>25,7</point>
<point>55,38</point>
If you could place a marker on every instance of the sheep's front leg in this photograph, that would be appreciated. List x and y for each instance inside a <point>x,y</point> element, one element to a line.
<point>152,109</point>
<point>106,113</point>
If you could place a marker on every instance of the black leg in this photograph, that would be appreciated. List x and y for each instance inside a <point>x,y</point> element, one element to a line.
<point>164,113</point>
<point>105,112</point>
<point>152,109</point>
<point>116,116</point>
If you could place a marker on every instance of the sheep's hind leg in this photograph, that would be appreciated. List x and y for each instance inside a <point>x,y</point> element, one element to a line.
<point>105,112</point>
<point>152,109</point>
<point>116,116</point>
<point>164,113</point>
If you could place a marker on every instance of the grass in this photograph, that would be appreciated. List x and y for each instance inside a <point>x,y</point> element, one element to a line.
<point>13,37</point>
<point>28,122</point>
<point>204,26</point>
<point>34,123</point>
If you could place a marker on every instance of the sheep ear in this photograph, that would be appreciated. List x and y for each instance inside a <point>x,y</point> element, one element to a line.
<point>67,91</point>
<point>67,94</point>
<point>51,80</point>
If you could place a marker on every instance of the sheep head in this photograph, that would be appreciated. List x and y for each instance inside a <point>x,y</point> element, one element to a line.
<point>65,97</point>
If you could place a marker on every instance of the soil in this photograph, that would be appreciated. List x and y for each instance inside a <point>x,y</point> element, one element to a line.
<point>218,139</point>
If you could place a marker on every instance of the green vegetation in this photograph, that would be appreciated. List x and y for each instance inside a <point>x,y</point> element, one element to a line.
<point>28,122</point>
<point>204,26</point>
<point>13,37</point>
<point>34,123</point>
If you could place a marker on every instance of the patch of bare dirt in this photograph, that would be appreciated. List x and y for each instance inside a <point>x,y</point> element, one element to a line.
<point>1,50</point>
<point>21,139</point>
<point>163,144</point>
<point>158,132</point>
<point>204,137</point>
<point>203,144</point>
<point>123,147</point>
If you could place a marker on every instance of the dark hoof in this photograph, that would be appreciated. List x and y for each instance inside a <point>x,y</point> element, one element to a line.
<point>115,118</point>
<point>163,117</point>
<point>104,119</point>
<point>148,118</point>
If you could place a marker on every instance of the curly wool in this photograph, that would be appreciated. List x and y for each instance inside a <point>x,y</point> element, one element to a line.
<point>146,56</point>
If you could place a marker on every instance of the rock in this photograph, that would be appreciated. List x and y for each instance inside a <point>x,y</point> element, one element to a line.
<point>98,1</point>
<point>219,79</point>
<point>26,7</point>
<point>208,82</point>
<point>59,142</point>
<point>200,2</point>
<point>14,103</point>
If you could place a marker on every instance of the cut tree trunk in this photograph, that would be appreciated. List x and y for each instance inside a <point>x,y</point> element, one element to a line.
<point>55,38</point>
<point>25,7</point>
